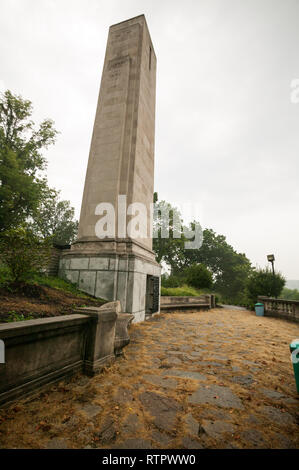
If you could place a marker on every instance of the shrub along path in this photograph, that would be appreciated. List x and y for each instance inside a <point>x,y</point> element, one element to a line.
<point>215,379</point>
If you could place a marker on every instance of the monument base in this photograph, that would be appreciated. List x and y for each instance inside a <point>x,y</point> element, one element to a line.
<point>115,270</point>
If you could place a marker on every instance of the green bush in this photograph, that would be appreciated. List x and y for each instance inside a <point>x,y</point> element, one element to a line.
<point>23,253</point>
<point>171,281</point>
<point>262,282</point>
<point>199,276</point>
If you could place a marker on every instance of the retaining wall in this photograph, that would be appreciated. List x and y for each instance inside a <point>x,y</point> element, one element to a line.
<point>185,302</point>
<point>43,351</point>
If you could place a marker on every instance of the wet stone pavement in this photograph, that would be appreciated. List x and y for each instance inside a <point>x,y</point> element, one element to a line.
<point>215,379</point>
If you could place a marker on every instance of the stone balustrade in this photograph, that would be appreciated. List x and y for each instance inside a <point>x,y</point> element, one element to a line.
<point>281,308</point>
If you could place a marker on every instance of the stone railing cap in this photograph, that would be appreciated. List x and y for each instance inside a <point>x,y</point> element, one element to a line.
<point>106,311</point>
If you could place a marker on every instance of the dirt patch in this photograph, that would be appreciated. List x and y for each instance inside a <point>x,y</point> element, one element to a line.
<point>35,301</point>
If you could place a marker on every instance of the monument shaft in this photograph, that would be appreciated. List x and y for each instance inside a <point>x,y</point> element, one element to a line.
<point>121,160</point>
<point>121,163</point>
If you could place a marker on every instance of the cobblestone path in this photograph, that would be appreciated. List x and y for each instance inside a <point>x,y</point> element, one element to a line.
<point>215,379</point>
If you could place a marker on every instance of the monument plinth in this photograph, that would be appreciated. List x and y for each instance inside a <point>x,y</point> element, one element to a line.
<point>120,264</point>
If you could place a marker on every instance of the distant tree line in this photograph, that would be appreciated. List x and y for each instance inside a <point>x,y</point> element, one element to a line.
<point>215,266</point>
<point>290,294</point>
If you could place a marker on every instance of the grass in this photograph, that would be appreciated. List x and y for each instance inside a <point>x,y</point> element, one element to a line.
<point>181,291</point>
<point>43,280</point>
<point>57,283</point>
<point>14,316</point>
<point>188,291</point>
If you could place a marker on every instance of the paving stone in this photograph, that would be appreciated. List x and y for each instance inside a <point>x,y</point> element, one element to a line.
<point>216,414</point>
<point>132,424</point>
<point>155,362</point>
<point>252,419</point>
<point>188,374</point>
<point>199,342</point>
<point>190,443</point>
<point>57,443</point>
<point>253,439</point>
<point>289,400</point>
<point>188,358</point>
<point>211,364</point>
<point>272,393</point>
<point>220,357</point>
<point>175,353</point>
<point>162,408</point>
<point>216,395</point>
<point>85,435</point>
<point>161,438</point>
<point>90,410</point>
<point>161,381</point>
<point>192,425</point>
<point>134,444</point>
<point>72,422</point>
<point>277,416</point>
<point>171,361</point>
<point>185,347</point>
<point>107,431</point>
<point>230,446</point>
<point>242,379</point>
<point>216,429</point>
<point>123,395</point>
<point>283,442</point>
<point>250,363</point>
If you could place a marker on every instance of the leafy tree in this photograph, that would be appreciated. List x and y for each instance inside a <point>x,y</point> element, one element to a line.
<point>264,282</point>
<point>55,218</point>
<point>168,249</point>
<point>290,294</point>
<point>21,160</point>
<point>170,281</point>
<point>229,269</point>
<point>23,252</point>
<point>199,276</point>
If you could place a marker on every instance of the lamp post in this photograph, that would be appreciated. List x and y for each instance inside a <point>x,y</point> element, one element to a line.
<point>271,260</point>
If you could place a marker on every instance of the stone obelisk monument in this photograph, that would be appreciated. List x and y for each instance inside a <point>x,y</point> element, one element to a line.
<point>117,263</point>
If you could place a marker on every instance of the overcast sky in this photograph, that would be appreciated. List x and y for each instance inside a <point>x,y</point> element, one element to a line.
<point>227,133</point>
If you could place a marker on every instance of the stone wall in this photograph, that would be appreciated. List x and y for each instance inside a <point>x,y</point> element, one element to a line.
<point>53,264</point>
<point>281,308</point>
<point>184,302</point>
<point>43,351</point>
